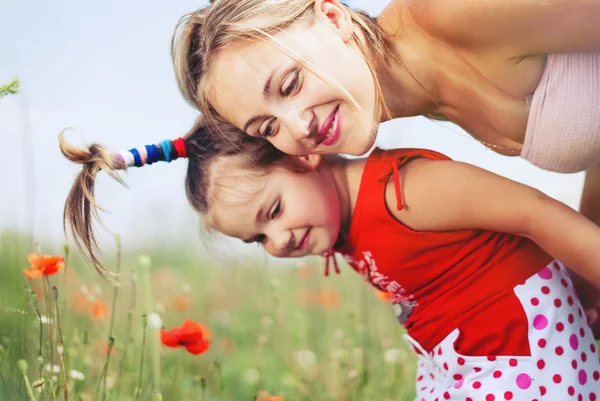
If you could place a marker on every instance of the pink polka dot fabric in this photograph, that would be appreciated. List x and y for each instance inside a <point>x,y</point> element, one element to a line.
<point>563,365</point>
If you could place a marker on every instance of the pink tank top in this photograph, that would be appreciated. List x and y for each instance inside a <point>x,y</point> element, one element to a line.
<point>563,130</point>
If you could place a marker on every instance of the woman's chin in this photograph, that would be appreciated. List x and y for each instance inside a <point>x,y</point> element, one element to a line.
<point>359,147</point>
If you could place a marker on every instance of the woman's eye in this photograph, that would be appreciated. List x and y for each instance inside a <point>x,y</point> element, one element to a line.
<point>276,210</point>
<point>267,129</point>
<point>291,83</point>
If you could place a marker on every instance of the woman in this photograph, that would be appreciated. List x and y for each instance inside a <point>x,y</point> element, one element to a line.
<point>314,76</point>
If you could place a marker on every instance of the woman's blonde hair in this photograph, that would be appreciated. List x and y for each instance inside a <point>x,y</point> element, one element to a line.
<point>201,35</point>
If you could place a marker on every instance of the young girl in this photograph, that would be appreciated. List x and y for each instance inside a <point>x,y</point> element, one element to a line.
<point>490,313</point>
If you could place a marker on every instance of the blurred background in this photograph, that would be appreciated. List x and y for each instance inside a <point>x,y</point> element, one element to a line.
<point>276,333</point>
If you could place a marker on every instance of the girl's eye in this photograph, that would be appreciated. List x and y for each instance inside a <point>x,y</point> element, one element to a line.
<point>276,210</point>
<point>267,129</point>
<point>290,84</point>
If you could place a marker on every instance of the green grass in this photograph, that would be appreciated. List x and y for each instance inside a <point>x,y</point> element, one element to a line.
<point>288,332</point>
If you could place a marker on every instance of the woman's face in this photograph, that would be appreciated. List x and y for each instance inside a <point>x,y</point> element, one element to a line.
<point>264,92</point>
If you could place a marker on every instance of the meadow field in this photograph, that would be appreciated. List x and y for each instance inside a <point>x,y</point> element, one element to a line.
<point>266,333</point>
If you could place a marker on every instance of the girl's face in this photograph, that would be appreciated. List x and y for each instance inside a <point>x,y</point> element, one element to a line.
<point>267,94</point>
<point>290,214</point>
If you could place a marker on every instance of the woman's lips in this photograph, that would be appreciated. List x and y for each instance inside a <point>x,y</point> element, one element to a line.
<point>329,133</point>
<point>335,130</point>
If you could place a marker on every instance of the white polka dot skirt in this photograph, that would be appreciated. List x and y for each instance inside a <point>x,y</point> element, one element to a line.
<point>563,365</point>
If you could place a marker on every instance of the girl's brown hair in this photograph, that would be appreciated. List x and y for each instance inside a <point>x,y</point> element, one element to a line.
<point>203,149</point>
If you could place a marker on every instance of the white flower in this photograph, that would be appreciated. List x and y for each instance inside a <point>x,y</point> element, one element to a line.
<point>84,289</point>
<point>187,288</point>
<point>395,355</point>
<point>110,382</point>
<point>76,375</point>
<point>46,320</point>
<point>352,374</point>
<point>60,349</point>
<point>251,376</point>
<point>154,321</point>
<point>306,358</point>
<point>52,368</point>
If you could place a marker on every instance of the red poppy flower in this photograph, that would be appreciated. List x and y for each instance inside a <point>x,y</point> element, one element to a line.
<point>383,295</point>
<point>189,335</point>
<point>99,309</point>
<point>182,302</point>
<point>43,265</point>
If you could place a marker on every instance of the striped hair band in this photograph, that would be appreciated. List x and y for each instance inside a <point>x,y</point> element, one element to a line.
<point>166,151</point>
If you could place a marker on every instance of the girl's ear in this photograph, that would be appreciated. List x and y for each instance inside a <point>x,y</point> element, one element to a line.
<point>308,161</point>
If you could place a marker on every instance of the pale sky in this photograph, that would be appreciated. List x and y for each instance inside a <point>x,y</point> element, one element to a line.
<point>104,68</point>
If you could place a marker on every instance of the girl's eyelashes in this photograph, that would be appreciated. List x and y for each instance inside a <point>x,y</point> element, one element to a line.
<point>276,210</point>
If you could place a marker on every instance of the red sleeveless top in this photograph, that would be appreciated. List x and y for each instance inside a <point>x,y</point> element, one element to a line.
<point>438,280</point>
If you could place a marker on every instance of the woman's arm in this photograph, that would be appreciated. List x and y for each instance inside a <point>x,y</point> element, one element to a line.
<point>520,27</point>
<point>590,199</point>
<point>448,195</point>
<point>590,207</point>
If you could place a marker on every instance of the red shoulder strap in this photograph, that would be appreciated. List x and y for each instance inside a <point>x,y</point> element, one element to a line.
<point>395,159</point>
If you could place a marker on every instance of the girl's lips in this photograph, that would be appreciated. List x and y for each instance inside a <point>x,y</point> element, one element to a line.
<point>329,122</point>
<point>304,241</point>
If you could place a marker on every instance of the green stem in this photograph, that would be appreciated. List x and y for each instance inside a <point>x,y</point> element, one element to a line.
<point>28,387</point>
<point>60,346</point>
<point>144,268</point>
<point>22,365</point>
<point>50,321</point>
<point>139,386</point>
<point>129,337</point>
<point>111,339</point>
<point>52,388</point>
<point>64,303</point>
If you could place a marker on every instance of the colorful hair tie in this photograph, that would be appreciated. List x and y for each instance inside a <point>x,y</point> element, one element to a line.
<point>152,152</point>
<point>143,155</point>
<point>167,148</point>
<point>137,162</point>
<point>149,154</point>
<point>127,158</point>
<point>179,145</point>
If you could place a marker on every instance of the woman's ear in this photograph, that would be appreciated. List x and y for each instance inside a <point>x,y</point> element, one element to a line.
<point>335,13</point>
